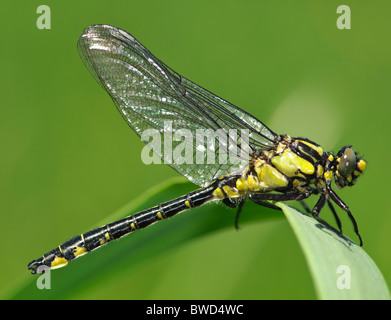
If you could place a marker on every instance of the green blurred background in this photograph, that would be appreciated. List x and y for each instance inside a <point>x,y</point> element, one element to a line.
<point>68,160</point>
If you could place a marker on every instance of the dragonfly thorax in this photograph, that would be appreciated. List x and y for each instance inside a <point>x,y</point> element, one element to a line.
<point>295,165</point>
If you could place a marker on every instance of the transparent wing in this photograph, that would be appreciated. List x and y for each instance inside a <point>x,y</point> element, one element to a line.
<point>153,98</point>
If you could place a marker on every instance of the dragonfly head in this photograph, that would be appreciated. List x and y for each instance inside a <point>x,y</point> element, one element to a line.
<point>348,167</point>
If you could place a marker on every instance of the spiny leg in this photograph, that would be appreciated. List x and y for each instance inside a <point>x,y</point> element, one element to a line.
<point>289,196</point>
<point>260,198</point>
<point>329,203</point>
<point>335,215</point>
<point>345,208</point>
<point>232,203</point>
<point>315,213</point>
<point>306,208</point>
<point>253,198</point>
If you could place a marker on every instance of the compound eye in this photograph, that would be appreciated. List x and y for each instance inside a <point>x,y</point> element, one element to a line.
<point>347,162</point>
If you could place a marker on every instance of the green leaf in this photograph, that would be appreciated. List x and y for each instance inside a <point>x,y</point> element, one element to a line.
<point>340,269</point>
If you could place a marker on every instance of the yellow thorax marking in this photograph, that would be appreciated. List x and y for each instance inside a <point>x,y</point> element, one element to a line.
<point>241,184</point>
<point>270,177</point>
<point>328,175</point>
<point>253,182</point>
<point>290,164</point>
<point>319,171</point>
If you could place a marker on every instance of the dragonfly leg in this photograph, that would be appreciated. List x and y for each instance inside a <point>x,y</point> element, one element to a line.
<point>335,215</point>
<point>315,213</point>
<point>289,196</point>
<point>260,198</point>
<point>253,198</point>
<point>345,208</point>
<point>306,208</point>
<point>241,203</point>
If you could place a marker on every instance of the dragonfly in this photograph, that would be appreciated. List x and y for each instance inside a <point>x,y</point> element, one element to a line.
<point>150,95</point>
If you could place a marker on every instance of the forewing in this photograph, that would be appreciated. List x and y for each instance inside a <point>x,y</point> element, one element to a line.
<point>150,95</point>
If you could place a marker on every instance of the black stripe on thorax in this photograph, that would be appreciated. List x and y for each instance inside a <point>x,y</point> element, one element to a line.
<point>305,151</point>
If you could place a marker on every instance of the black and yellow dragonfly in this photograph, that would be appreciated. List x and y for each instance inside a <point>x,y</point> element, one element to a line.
<point>149,94</point>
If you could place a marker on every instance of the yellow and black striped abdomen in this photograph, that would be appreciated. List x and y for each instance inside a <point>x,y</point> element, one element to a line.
<point>94,239</point>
